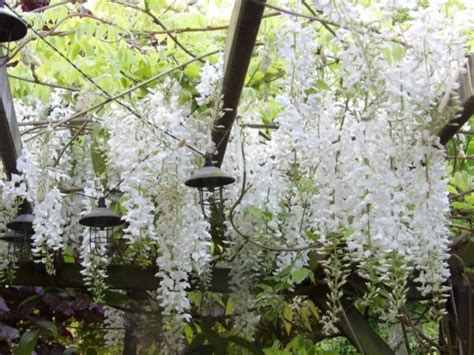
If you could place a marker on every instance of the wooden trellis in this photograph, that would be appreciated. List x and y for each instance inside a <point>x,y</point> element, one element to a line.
<point>242,35</point>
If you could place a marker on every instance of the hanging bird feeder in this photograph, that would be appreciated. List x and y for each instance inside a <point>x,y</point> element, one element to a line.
<point>19,236</point>
<point>210,182</point>
<point>101,222</point>
<point>19,246</point>
<point>23,223</point>
<point>12,28</point>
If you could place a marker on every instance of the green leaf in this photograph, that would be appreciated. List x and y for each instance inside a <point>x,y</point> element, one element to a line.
<point>321,85</point>
<point>451,189</point>
<point>68,258</point>
<point>188,332</point>
<point>112,299</point>
<point>300,275</point>
<point>313,309</point>
<point>48,326</point>
<point>245,344</point>
<point>27,342</point>
<point>398,52</point>
<point>287,318</point>
<point>98,159</point>
<point>28,300</point>
<point>229,309</point>
<point>193,71</point>
<point>197,342</point>
<point>313,260</point>
<point>202,350</point>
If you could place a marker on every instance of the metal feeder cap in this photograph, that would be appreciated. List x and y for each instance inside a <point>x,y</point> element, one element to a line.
<point>12,28</point>
<point>209,177</point>
<point>101,217</point>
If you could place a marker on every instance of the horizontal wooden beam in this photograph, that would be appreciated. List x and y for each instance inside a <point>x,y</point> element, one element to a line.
<point>243,31</point>
<point>127,277</point>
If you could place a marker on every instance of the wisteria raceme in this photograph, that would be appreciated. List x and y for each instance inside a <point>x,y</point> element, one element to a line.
<point>47,225</point>
<point>366,170</point>
<point>243,289</point>
<point>114,327</point>
<point>152,169</point>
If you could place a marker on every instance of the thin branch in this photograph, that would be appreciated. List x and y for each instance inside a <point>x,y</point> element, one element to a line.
<point>124,93</point>
<point>48,7</point>
<point>135,81</point>
<point>469,132</point>
<point>78,132</point>
<point>197,29</point>
<point>454,157</point>
<point>35,81</point>
<point>459,226</point>
<point>40,34</point>
<point>184,30</point>
<point>87,77</point>
<point>462,194</point>
<point>310,9</point>
<point>420,334</point>
<point>297,14</point>
<point>246,237</point>
<point>405,337</point>
<point>326,22</point>
<point>46,122</point>
<point>261,126</point>
<point>159,23</point>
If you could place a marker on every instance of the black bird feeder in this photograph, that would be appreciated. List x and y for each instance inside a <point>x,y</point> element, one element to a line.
<point>12,28</point>
<point>19,238</point>
<point>101,222</point>
<point>210,182</point>
<point>19,246</point>
<point>23,223</point>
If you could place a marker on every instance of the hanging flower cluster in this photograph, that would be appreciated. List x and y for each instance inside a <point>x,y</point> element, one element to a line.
<point>355,169</point>
<point>114,327</point>
<point>160,212</point>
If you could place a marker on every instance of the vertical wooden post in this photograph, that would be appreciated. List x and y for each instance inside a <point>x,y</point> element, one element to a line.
<point>130,341</point>
<point>10,141</point>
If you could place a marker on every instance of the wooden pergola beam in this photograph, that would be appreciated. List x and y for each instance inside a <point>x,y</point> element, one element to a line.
<point>243,30</point>
<point>126,277</point>
<point>10,141</point>
<point>466,95</point>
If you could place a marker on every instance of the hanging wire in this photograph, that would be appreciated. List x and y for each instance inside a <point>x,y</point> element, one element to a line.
<point>88,78</point>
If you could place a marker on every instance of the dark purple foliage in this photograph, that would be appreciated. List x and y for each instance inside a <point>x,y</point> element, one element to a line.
<point>49,311</point>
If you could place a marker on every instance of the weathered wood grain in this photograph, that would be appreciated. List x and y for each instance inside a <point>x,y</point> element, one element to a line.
<point>240,43</point>
<point>10,141</point>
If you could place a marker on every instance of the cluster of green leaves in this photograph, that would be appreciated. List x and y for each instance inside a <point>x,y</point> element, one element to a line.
<point>116,44</point>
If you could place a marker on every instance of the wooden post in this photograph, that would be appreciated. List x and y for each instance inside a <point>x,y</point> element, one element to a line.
<point>130,341</point>
<point>466,95</point>
<point>353,325</point>
<point>10,141</point>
